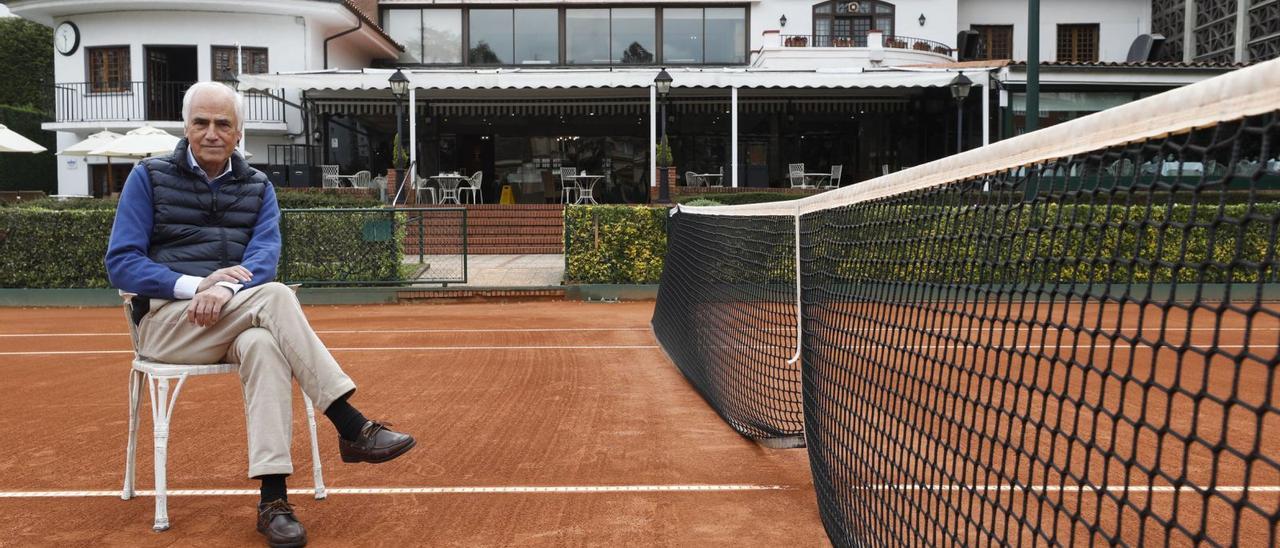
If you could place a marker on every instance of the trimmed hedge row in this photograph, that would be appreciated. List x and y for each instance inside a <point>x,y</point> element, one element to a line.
<point>51,244</point>
<point>614,244</point>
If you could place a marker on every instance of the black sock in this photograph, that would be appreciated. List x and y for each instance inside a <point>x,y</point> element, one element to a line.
<point>273,488</point>
<point>345,418</point>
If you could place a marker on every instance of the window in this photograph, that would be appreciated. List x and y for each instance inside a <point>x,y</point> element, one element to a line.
<point>682,35</point>
<point>586,35</point>
<point>405,26</point>
<point>726,35</point>
<point>841,23</point>
<point>442,36</point>
<point>108,69</point>
<point>254,61</point>
<point>492,40</point>
<point>633,36</point>
<point>536,37</point>
<point>995,41</point>
<point>1078,43</point>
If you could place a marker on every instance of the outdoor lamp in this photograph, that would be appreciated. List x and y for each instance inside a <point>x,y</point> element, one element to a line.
<point>399,84</point>
<point>782,21</point>
<point>921,19</point>
<point>663,82</point>
<point>960,86</point>
<point>960,89</point>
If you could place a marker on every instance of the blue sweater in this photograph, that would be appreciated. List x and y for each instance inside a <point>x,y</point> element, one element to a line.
<point>130,268</point>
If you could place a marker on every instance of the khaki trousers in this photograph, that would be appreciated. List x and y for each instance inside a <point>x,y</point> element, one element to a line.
<point>263,330</point>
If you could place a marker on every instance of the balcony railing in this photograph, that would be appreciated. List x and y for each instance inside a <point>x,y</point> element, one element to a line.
<point>155,101</point>
<point>893,42</point>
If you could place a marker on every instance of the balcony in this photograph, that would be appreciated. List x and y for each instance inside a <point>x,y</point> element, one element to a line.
<point>98,103</point>
<point>814,51</point>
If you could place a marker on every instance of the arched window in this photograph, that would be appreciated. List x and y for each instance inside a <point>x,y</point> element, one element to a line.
<point>846,22</point>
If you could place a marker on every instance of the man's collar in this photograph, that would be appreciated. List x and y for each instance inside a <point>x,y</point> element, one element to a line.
<point>195,166</point>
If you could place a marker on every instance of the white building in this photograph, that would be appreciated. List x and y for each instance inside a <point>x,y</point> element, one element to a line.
<point>517,89</point>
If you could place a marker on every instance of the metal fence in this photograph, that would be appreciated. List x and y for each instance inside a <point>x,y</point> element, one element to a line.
<point>144,100</point>
<point>374,247</point>
<point>896,41</point>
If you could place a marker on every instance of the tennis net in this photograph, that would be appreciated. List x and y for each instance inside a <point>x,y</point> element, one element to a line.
<point>1067,337</point>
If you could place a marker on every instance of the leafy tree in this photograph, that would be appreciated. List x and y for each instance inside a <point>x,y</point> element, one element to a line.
<point>26,64</point>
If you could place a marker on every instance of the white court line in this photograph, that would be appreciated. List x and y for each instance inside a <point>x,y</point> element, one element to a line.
<point>416,490</point>
<point>373,331</point>
<point>368,349</point>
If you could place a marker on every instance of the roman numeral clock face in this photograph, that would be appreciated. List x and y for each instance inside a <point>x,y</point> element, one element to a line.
<point>66,39</point>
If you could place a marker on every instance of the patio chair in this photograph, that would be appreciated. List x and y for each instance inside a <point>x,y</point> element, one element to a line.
<point>692,179</point>
<point>361,179</point>
<point>156,375</point>
<point>567,188</point>
<point>421,184</point>
<point>473,184</point>
<point>833,181</point>
<point>329,174</point>
<point>795,172</point>
<point>719,180</point>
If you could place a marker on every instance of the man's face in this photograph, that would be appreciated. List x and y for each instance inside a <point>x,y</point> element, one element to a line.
<point>212,129</point>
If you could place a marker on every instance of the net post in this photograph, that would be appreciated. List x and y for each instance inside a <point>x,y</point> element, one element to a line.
<point>799,303</point>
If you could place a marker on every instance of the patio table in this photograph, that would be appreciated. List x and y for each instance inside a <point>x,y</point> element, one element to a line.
<point>585,184</point>
<point>449,183</point>
<point>708,177</point>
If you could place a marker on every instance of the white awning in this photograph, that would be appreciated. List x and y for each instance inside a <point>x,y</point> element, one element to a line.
<point>519,78</point>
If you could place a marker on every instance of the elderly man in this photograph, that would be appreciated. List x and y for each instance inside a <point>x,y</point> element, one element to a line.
<point>198,233</point>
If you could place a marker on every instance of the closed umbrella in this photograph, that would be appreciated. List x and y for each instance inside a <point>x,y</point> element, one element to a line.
<point>139,143</point>
<point>10,141</point>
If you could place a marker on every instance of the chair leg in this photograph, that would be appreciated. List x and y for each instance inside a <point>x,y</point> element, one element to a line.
<point>161,414</point>
<point>316,473</point>
<point>130,456</point>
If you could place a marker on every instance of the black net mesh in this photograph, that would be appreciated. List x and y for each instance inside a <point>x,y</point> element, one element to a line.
<point>1074,352</point>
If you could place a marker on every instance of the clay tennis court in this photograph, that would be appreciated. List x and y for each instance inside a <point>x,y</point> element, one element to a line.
<point>564,423</point>
<point>538,424</point>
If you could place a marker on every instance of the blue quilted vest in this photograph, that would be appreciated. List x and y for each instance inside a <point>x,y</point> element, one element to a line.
<point>197,230</point>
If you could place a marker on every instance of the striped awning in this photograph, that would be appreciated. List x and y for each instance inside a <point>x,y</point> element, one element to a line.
<point>610,107</point>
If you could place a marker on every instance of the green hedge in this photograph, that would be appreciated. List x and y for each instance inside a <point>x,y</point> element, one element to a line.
<point>614,244</point>
<point>50,244</point>
<point>738,198</point>
<point>300,199</point>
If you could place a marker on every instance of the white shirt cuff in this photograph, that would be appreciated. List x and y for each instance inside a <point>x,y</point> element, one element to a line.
<point>234,287</point>
<point>185,287</point>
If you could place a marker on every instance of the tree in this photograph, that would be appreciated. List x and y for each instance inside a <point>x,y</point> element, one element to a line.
<point>636,54</point>
<point>26,64</point>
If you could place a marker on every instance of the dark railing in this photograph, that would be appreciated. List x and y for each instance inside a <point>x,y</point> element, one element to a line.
<point>894,42</point>
<point>143,101</point>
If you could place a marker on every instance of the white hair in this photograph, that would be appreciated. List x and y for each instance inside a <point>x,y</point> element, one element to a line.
<point>236,99</point>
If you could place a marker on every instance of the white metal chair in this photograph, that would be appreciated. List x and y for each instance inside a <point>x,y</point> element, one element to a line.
<point>361,179</point>
<point>833,181</point>
<point>329,176</point>
<point>473,184</point>
<point>421,184</point>
<point>692,179</point>
<point>795,172</point>
<point>157,376</point>
<point>719,181</point>
<point>567,188</point>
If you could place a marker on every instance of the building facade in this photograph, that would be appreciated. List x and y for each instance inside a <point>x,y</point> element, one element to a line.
<point>517,90</point>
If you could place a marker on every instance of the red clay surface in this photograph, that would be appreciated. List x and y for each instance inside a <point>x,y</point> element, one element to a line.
<point>484,416</point>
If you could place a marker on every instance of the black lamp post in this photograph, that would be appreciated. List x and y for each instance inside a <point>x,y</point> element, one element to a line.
<point>399,88</point>
<point>960,89</point>
<point>663,85</point>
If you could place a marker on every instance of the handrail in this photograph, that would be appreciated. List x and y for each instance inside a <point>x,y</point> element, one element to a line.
<point>410,172</point>
<point>894,41</point>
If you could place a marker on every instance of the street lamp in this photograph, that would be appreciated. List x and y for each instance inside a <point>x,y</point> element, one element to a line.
<point>399,88</point>
<point>959,90</point>
<point>662,83</point>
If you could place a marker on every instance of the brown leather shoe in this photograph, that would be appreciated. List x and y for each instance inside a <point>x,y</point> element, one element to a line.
<point>376,443</point>
<point>277,522</point>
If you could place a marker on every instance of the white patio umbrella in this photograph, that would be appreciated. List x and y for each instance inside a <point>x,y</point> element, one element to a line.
<point>91,143</point>
<point>10,141</point>
<point>139,143</point>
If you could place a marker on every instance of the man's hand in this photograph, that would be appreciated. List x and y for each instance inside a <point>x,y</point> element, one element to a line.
<point>235,274</point>
<point>206,306</point>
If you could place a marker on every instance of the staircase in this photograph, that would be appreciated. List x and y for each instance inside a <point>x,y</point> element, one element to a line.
<point>497,230</point>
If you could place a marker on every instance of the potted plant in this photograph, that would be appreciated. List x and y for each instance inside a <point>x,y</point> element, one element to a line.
<point>666,169</point>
